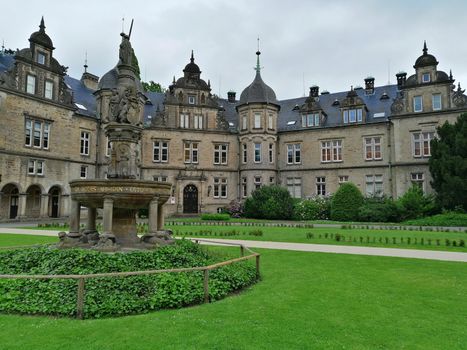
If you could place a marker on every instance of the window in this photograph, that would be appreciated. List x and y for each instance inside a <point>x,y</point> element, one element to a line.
<point>84,143</point>
<point>245,153</point>
<point>421,143</point>
<point>220,154</point>
<point>271,180</point>
<point>160,151</point>
<point>294,185</point>
<point>108,150</point>
<point>257,120</point>
<point>198,122</point>
<point>374,185</point>
<point>49,89</point>
<point>373,148</point>
<point>311,119</point>
<point>220,187</point>
<point>270,122</point>
<point>294,153</point>
<point>191,100</point>
<point>244,122</point>
<point>35,167</point>
<point>418,179</point>
<point>258,182</point>
<point>417,104</point>
<point>331,151</point>
<point>160,178</point>
<point>271,153</point>
<point>40,58</point>
<point>37,133</point>
<point>257,153</point>
<point>191,152</point>
<point>343,179</point>
<point>83,173</point>
<point>352,115</point>
<point>426,78</point>
<point>31,84</point>
<point>321,186</point>
<point>184,120</point>
<point>436,102</point>
<point>244,187</point>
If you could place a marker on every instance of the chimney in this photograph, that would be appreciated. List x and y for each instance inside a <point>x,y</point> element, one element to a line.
<point>401,77</point>
<point>90,80</point>
<point>231,96</point>
<point>314,91</point>
<point>369,85</point>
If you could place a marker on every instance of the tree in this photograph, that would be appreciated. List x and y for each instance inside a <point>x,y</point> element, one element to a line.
<point>269,202</point>
<point>152,86</point>
<point>448,164</point>
<point>346,203</point>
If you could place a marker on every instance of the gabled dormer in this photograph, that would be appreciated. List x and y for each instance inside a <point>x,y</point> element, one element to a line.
<point>353,109</point>
<point>312,113</point>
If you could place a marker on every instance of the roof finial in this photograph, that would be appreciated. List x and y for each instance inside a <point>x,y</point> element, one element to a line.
<point>209,83</point>
<point>3,46</point>
<point>450,74</point>
<point>258,67</point>
<point>42,25</point>
<point>173,81</point>
<point>192,59</point>
<point>85,62</point>
<point>425,50</point>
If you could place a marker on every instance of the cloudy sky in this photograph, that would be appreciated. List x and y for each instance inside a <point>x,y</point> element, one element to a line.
<point>333,44</point>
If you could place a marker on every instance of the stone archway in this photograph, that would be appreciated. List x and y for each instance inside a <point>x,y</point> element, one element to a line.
<point>33,201</point>
<point>190,199</point>
<point>54,209</point>
<point>9,206</point>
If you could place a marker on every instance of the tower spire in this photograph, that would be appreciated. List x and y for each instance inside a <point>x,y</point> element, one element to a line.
<point>425,50</point>
<point>42,25</point>
<point>192,59</point>
<point>85,62</point>
<point>258,67</point>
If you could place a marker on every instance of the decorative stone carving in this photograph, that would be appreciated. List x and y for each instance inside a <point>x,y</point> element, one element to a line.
<point>123,107</point>
<point>158,239</point>
<point>106,243</point>
<point>397,106</point>
<point>458,97</point>
<point>126,51</point>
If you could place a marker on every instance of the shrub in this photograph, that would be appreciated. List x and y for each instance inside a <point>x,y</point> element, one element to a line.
<point>445,219</point>
<point>234,209</point>
<point>346,202</point>
<point>415,204</point>
<point>269,202</point>
<point>215,217</point>
<point>114,296</point>
<point>379,210</point>
<point>317,208</point>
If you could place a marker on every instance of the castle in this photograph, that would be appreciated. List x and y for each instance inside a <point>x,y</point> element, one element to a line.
<point>214,150</point>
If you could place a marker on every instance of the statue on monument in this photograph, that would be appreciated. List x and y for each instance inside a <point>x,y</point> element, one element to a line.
<point>124,107</point>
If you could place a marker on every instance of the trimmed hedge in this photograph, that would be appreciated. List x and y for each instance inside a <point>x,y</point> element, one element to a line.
<point>215,217</point>
<point>346,203</point>
<point>115,296</point>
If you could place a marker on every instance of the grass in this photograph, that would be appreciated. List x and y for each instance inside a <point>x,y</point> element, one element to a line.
<point>304,301</point>
<point>9,240</point>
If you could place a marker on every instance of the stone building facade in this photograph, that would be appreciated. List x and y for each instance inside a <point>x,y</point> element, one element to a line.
<point>214,150</point>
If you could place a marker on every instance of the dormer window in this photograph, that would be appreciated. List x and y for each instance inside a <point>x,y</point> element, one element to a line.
<point>310,119</point>
<point>353,115</point>
<point>191,100</point>
<point>426,78</point>
<point>40,58</point>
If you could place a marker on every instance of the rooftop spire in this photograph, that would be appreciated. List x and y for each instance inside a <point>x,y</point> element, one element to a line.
<point>258,67</point>
<point>85,62</point>
<point>192,59</point>
<point>42,25</point>
<point>425,50</point>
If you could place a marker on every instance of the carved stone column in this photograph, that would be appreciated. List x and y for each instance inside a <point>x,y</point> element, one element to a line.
<point>153,215</point>
<point>108,215</point>
<point>91,221</point>
<point>74,218</point>
<point>44,211</point>
<point>160,217</point>
<point>22,205</point>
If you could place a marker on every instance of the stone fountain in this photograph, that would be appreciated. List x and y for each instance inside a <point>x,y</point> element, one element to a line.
<point>123,192</point>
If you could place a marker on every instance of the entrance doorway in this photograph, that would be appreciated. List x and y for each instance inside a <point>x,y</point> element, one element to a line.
<point>190,199</point>
<point>14,198</point>
<point>54,202</point>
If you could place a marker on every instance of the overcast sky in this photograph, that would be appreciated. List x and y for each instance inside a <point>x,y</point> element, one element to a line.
<point>333,44</point>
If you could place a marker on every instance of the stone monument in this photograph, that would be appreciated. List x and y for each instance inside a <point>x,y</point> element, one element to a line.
<point>123,192</point>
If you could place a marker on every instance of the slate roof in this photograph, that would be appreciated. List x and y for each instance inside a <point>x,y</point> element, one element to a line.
<point>82,97</point>
<point>6,62</point>
<point>258,91</point>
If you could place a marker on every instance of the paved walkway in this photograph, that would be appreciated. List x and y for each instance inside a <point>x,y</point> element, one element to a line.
<point>305,247</point>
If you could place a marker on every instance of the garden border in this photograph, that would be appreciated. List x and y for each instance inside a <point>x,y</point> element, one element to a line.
<point>81,279</point>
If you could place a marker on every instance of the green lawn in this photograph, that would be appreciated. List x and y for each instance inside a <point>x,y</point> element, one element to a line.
<point>9,240</point>
<point>304,301</point>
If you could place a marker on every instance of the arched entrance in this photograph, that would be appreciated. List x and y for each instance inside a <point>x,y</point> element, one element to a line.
<point>33,201</point>
<point>54,202</point>
<point>190,199</point>
<point>10,201</point>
